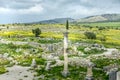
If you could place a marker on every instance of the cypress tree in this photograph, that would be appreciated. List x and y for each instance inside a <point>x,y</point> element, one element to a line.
<point>67,25</point>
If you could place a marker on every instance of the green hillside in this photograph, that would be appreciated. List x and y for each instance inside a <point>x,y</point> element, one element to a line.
<point>101,18</point>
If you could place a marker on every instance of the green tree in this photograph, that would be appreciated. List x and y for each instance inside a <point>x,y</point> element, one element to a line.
<point>90,35</point>
<point>67,25</point>
<point>101,28</point>
<point>36,32</point>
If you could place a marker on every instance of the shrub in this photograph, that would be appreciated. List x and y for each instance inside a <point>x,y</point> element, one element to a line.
<point>2,70</point>
<point>36,32</point>
<point>90,35</point>
<point>101,28</point>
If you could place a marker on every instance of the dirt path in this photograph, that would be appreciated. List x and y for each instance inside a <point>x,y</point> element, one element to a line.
<point>106,53</point>
<point>109,51</point>
<point>17,73</point>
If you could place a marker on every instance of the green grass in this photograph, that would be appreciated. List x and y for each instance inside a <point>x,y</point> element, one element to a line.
<point>11,48</point>
<point>26,61</point>
<point>99,75</point>
<point>76,32</point>
<point>4,61</point>
<point>103,24</point>
<point>92,51</point>
<point>100,63</point>
<point>2,70</point>
<point>81,48</point>
<point>49,41</point>
<point>76,73</point>
<point>56,73</point>
<point>55,31</point>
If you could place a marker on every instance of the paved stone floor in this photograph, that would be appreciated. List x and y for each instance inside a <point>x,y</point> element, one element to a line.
<point>17,73</point>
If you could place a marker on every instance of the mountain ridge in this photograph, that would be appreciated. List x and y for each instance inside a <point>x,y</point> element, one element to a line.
<point>56,20</point>
<point>95,18</point>
<point>100,18</point>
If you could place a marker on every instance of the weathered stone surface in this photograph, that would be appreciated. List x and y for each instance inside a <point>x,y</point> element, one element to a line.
<point>18,50</point>
<point>118,75</point>
<point>48,66</point>
<point>1,55</point>
<point>112,75</point>
<point>89,78</point>
<point>33,65</point>
<point>87,49</point>
<point>6,55</point>
<point>65,73</point>
<point>89,71</point>
<point>79,61</point>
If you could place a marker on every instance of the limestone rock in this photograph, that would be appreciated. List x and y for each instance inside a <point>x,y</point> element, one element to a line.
<point>87,49</point>
<point>33,65</point>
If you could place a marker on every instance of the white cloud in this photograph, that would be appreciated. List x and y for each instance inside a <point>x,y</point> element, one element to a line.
<point>85,1</point>
<point>82,11</point>
<point>4,10</point>
<point>85,11</point>
<point>35,9</point>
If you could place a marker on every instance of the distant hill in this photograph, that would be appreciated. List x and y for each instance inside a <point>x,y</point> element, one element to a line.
<point>96,18</point>
<point>100,18</point>
<point>56,20</point>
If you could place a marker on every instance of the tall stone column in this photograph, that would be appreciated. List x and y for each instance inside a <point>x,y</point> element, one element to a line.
<point>65,72</point>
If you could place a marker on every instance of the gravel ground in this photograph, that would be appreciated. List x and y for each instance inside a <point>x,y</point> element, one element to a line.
<point>18,73</point>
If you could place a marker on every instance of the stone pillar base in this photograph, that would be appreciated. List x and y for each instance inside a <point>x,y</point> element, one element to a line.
<point>65,73</point>
<point>89,78</point>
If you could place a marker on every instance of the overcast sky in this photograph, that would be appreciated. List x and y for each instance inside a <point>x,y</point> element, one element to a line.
<point>15,11</point>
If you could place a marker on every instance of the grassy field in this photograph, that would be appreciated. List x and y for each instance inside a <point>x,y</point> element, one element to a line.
<point>53,33</point>
<point>110,34</point>
<point>103,24</point>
